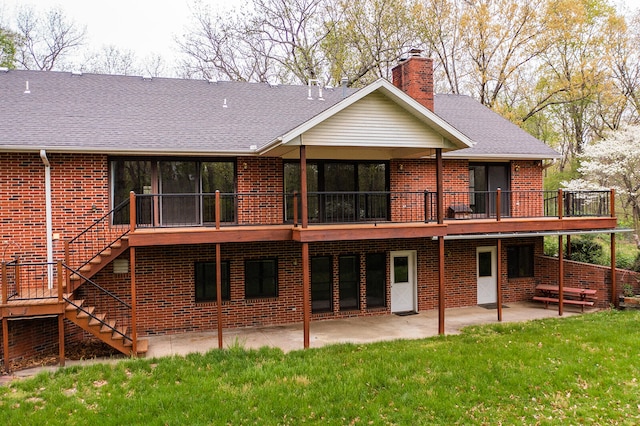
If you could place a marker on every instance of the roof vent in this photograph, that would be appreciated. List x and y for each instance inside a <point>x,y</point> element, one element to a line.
<point>212,80</point>
<point>344,82</point>
<point>147,77</point>
<point>224,103</point>
<point>4,69</point>
<point>315,82</point>
<point>253,147</point>
<point>26,90</point>
<point>78,73</point>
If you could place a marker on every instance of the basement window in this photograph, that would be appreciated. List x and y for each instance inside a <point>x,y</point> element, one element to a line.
<point>520,261</point>
<point>260,278</point>
<point>205,281</point>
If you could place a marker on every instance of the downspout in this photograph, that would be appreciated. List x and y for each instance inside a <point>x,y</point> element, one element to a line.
<point>47,192</point>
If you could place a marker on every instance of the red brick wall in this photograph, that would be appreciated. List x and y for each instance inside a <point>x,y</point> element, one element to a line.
<point>79,185</point>
<point>585,275</point>
<point>31,338</point>
<point>415,77</point>
<point>526,189</point>
<point>166,297</point>
<point>262,178</point>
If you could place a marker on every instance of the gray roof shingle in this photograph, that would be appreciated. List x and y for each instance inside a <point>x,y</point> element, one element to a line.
<point>119,114</point>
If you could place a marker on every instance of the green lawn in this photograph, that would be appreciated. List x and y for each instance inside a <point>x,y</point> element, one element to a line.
<point>578,370</point>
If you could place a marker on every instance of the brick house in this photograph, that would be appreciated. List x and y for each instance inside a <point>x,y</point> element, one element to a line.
<point>132,207</point>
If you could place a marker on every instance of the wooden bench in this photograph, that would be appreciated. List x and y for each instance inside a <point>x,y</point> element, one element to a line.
<point>571,295</point>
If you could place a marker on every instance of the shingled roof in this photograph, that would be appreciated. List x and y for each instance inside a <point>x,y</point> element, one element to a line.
<point>61,111</point>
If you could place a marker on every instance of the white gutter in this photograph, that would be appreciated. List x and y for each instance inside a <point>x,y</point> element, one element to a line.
<point>47,192</point>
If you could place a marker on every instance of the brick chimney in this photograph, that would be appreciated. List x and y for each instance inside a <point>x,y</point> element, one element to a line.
<point>414,76</point>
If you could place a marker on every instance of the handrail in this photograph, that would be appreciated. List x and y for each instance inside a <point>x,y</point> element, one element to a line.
<point>98,236</point>
<point>121,312</point>
<point>218,209</point>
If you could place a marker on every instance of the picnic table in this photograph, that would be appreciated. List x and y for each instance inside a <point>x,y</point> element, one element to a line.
<point>570,295</point>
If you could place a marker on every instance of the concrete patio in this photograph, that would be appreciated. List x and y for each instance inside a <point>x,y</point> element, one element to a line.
<point>353,330</point>
<point>326,332</point>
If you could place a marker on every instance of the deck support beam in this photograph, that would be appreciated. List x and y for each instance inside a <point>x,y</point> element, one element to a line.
<point>615,301</point>
<point>134,333</point>
<point>5,344</point>
<point>440,213</point>
<point>219,290</point>
<point>499,277</point>
<point>560,276</point>
<point>306,293</point>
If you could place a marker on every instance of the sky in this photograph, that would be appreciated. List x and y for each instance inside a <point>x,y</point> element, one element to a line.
<point>146,27</point>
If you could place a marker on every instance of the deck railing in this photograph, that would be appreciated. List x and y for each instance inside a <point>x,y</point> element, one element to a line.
<point>31,281</point>
<point>103,306</point>
<point>105,230</point>
<point>226,209</point>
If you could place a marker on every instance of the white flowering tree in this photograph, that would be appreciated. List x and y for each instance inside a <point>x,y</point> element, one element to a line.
<point>613,162</point>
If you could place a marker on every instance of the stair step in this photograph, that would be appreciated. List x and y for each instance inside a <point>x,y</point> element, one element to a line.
<point>122,331</point>
<point>108,327</point>
<point>86,312</point>
<point>116,245</point>
<point>86,268</point>
<point>99,318</point>
<point>71,307</point>
<point>96,260</point>
<point>142,347</point>
<point>74,277</point>
<point>106,252</point>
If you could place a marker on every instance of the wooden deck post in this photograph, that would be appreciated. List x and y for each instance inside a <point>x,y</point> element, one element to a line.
<point>614,282</point>
<point>217,208</point>
<point>306,290</point>
<point>560,203</point>
<point>132,211</point>
<point>441,260</point>
<point>134,332</point>
<point>61,356</point>
<point>5,284</point>
<point>499,280</point>
<point>5,344</point>
<point>303,186</point>
<point>441,295</point>
<point>219,288</point>
<point>439,186</point>
<point>560,276</point>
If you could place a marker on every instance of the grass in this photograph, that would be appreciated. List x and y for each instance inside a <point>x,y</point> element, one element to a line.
<point>578,370</point>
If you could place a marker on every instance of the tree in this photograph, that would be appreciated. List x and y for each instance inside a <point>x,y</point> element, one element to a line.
<point>45,39</point>
<point>367,40</point>
<point>613,162</point>
<point>7,48</point>
<point>111,60</point>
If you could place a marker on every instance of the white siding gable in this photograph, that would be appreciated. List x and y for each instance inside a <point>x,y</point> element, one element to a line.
<point>375,121</point>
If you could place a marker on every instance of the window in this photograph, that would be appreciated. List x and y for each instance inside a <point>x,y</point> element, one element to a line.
<point>376,266</point>
<point>485,264</point>
<point>260,278</point>
<point>349,282</point>
<point>520,261</point>
<point>205,280</point>
<point>321,284</point>
<point>484,180</point>
<point>191,184</point>
<point>340,191</point>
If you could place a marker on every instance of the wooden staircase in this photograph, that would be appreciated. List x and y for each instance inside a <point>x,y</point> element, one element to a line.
<point>100,325</point>
<point>98,262</point>
<point>111,330</point>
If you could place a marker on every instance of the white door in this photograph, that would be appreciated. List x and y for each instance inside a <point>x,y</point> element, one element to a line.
<point>403,281</point>
<point>486,268</point>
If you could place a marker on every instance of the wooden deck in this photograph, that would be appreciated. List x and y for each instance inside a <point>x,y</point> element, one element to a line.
<point>141,237</point>
<point>32,302</point>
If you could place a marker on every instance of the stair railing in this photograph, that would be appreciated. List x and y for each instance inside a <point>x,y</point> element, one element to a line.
<point>92,295</point>
<point>103,232</point>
